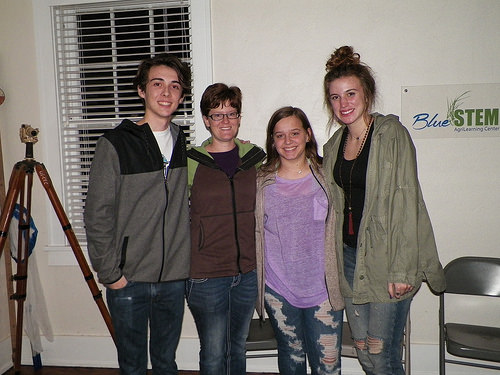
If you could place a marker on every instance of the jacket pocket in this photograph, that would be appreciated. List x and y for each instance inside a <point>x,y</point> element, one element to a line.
<point>213,231</point>
<point>124,252</point>
<point>376,246</point>
<point>375,233</point>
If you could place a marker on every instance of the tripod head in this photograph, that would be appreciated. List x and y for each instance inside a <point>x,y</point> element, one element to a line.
<point>29,136</point>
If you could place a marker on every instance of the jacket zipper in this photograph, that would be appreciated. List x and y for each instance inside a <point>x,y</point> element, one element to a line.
<point>235,221</point>
<point>208,161</point>
<point>166,172</point>
<point>163,230</point>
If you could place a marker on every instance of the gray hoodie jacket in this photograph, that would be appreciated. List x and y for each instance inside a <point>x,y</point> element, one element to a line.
<point>137,221</point>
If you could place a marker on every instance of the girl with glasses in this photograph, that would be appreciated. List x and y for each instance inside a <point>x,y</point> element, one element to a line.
<point>222,287</point>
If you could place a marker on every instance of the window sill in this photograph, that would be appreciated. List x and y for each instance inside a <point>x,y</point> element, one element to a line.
<point>60,255</point>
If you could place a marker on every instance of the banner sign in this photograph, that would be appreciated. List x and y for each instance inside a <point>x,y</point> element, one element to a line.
<point>449,111</point>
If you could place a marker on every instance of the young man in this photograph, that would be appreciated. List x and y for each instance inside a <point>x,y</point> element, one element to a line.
<point>137,220</point>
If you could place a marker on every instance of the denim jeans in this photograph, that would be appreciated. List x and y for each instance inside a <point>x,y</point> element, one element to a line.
<point>132,308</point>
<point>381,321</point>
<point>222,309</point>
<point>315,332</point>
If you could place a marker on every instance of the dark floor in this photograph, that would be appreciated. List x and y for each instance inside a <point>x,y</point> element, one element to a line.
<point>48,370</point>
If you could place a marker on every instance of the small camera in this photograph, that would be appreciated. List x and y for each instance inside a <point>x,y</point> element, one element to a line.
<point>28,134</point>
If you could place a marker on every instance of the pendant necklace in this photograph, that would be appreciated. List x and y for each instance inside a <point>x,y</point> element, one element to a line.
<point>350,226</point>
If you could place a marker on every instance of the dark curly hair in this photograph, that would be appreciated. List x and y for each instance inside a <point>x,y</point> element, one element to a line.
<point>181,68</point>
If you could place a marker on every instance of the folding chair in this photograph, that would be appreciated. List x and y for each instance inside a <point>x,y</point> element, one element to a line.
<point>477,276</point>
<point>261,338</point>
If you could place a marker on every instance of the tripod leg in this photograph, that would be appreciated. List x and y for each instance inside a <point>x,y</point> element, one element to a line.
<point>10,202</point>
<point>16,184</point>
<point>73,241</point>
<point>22,260</point>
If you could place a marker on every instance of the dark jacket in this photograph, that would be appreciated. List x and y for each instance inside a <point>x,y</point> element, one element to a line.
<point>222,213</point>
<point>137,222</point>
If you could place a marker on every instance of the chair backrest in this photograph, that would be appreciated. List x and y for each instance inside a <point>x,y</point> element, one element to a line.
<point>261,338</point>
<point>473,276</point>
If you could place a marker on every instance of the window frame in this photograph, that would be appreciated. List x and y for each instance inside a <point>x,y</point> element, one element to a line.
<point>59,250</point>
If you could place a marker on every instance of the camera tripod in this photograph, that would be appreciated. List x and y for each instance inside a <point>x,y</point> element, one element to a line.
<point>20,189</point>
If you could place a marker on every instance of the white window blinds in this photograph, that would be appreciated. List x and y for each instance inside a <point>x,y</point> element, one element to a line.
<point>97,50</point>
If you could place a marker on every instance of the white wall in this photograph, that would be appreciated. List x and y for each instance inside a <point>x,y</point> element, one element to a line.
<point>275,51</point>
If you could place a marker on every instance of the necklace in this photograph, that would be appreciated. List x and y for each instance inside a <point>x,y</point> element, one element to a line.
<point>292,173</point>
<point>356,138</point>
<point>350,226</point>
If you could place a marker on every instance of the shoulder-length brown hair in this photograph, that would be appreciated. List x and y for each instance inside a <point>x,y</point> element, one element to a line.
<point>272,162</point>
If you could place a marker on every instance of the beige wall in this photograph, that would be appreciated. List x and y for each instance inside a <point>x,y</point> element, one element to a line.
<point>275,51</point>
<point>19,82</point>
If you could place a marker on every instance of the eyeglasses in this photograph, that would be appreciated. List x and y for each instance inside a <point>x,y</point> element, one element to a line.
<point>220,116</point>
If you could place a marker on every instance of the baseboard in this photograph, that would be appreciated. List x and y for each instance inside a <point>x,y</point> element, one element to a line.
<point>93,351</point>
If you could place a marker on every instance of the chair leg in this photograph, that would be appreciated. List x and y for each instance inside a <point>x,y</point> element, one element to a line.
<point>442,334</point>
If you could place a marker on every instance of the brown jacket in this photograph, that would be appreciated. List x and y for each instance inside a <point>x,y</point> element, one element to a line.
<point>331,268</point>
<point>222,214</point>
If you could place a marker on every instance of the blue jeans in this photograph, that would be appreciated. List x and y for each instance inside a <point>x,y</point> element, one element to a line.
<point>222,309</point>
<point>315,332</point>
<point>383,322</point>
<point>132,308</point>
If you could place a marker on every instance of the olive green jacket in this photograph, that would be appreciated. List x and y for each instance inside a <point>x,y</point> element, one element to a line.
<point>395,240</point>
